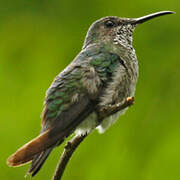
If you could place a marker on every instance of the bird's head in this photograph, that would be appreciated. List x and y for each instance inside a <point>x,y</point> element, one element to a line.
<point>116,30</point>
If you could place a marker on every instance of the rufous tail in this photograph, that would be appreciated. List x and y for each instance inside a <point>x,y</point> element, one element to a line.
<point>27,152</point>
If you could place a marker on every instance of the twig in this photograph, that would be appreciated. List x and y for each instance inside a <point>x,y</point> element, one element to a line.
<point>72,145</point>
<point>112,109</point>
<point>65,157</point>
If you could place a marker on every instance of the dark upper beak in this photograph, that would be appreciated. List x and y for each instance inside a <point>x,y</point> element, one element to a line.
<point>143,19</point>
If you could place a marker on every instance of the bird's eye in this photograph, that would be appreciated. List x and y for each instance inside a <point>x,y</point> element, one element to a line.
<point>109,24</point>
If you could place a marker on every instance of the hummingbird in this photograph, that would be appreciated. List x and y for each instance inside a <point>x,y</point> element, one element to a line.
<point>105,72</point>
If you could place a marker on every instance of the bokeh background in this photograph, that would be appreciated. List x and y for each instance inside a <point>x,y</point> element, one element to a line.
<point>39,38</point>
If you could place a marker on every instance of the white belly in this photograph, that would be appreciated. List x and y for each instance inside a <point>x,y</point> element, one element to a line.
<point>90,123</point>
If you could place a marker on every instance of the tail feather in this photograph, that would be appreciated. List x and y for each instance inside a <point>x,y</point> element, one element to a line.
<point>38,161</point>
<point>27,152</point>
<point>34,162</point>
<point>40,158</point>
<point>39,144</point>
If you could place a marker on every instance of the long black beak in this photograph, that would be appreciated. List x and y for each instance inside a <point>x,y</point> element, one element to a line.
<point>143,19</point>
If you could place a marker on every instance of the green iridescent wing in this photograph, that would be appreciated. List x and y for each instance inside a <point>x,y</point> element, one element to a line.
<point>74,93</point>
<point>62,94</point>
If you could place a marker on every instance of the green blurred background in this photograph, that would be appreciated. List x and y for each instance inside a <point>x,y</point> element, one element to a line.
<point>38,39</point>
